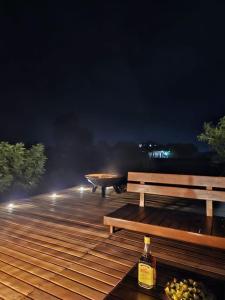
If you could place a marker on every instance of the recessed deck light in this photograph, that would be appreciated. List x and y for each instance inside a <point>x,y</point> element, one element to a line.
<point>81,189</point>
<point>54,196</point>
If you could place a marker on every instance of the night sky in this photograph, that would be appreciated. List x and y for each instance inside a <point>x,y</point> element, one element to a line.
<point>130,70</point>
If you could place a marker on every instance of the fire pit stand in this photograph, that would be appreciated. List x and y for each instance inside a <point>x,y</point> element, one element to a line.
<point>105,180</point>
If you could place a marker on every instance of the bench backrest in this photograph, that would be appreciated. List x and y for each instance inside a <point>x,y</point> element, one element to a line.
<point>208,188</point>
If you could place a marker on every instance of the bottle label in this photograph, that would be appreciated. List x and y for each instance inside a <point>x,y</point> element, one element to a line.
<point>145,274</point>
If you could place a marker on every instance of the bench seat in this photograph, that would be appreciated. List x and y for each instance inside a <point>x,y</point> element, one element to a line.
<point>178,225</point>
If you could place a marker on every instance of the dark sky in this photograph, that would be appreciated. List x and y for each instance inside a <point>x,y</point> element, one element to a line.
<point>134,70</point>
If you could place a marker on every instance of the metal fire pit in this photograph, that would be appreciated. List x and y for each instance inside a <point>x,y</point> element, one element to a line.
<point>105,180</point>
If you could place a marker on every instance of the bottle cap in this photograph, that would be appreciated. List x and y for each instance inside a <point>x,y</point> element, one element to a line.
<point>147,240</point>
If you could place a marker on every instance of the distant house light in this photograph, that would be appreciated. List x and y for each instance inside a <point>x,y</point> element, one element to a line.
<point>160,154</point>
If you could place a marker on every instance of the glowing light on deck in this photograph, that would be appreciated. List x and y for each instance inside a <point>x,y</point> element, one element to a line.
<point>10,205</point>
<point>81,189</point>
<point>54,195</point>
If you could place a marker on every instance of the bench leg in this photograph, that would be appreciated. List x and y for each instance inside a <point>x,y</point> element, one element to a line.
<point>209,224</point>
<point>111,229</point>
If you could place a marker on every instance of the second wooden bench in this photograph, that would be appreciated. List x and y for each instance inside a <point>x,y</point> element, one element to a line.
<point>202,229</point>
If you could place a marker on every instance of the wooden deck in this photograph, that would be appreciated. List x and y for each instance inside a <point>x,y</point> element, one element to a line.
<point>59,248</point>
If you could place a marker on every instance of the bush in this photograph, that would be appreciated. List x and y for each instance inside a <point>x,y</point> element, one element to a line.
<point>214,136</point>
<point>6,177</point>
<point>21,167</point>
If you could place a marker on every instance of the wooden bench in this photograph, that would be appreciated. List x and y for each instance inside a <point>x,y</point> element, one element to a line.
<point>201,229</point>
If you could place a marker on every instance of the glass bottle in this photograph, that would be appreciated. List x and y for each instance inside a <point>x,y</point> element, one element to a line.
<point>147,266</point>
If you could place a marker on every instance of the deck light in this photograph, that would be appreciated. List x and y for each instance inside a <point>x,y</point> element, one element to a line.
<point>81,189</point>
<point>54,196</point>
<point>10,207</point>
